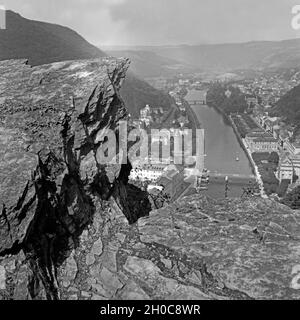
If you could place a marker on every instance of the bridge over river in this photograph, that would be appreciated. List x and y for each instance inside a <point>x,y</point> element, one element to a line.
<point>197,102</point>
<point>196,97</point>
<point>232,175</point>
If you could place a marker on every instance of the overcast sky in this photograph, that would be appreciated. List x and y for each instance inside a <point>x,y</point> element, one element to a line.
<point>164,22</point>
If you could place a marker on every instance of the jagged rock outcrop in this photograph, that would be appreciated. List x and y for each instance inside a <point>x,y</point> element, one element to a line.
<point>242,248</point>
<point>51,127</point>
<point>196,248</point>
<point>71,228</point>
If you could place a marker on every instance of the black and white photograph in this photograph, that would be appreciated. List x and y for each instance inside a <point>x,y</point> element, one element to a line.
<point>149,151</point>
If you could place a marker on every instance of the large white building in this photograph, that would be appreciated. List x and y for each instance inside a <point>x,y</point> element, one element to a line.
<point>261,142</point>
<point>147,172</point>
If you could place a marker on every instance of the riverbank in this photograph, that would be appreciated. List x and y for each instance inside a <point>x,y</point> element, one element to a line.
<point>242,143</point>
<point>249,155</point>
<point>195,123</point>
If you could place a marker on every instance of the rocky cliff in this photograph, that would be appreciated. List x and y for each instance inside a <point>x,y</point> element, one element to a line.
<point>72,228</point>
<point>51,126</point>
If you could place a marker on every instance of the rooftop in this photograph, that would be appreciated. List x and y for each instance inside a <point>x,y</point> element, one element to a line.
<point>261,134</point>
<point>265,139</point>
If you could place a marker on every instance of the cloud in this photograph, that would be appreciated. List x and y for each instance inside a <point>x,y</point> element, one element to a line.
<point>122,22</point>
<point>195,21</point>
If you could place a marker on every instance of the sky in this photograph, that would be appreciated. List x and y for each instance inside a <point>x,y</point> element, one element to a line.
<point>165,22</point>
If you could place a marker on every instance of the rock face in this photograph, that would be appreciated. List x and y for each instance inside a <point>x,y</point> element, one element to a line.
<point>72,228</point>
<point>51,125</point>
<point>248,248</point>
<point>196,248</point>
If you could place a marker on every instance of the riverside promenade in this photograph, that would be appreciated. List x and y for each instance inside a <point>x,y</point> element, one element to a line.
<point>248,152</point>
<point>195,124</point>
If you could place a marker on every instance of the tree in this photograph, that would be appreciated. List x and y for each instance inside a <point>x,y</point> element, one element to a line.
<point>233,103</point>
<point>251,190</point>
<point>274,158</point>
<point>292,199</point>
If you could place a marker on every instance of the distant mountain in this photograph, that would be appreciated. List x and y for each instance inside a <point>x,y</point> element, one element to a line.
<point>147,64</point>
<point>42,43</point>
<point>289,106</point>
<point>227,57</point>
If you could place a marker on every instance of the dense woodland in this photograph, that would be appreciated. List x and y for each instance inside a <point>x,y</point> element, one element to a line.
<point>227,99</point>
<point>288,106</point>
<point>292,199</point>
<point>137,93</point>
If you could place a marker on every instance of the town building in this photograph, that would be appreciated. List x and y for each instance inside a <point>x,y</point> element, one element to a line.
<point>270,123</point>
<point>296,164</point>
<point>147,172</point>
<point>145,115</point>
<point>285,169</point>
<point>292,147</point>
<point>261,142</point>
<point>172,180</point>
<point>288,167</point>
<point>150,115</point>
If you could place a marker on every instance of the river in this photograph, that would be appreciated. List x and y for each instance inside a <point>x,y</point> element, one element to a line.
<point>222,148</point>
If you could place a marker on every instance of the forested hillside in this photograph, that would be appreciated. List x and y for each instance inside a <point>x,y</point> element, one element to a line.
<point>227,99</point>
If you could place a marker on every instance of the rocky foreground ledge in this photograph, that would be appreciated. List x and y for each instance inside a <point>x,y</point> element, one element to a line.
<point>71,228</point>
